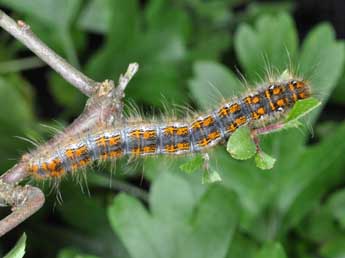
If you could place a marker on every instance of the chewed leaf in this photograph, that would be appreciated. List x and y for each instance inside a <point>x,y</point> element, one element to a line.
<point>240,145</point>
<point>264,161</point>
<point>210,177</point>
<point>301,108</point>
<point>19,250</point>
<point>192,165</point>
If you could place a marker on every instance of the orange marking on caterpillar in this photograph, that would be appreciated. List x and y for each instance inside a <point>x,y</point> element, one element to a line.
<point>114,140</point>
<point>204,142</point>
<point>261,111</point>
<point>169,130</point>
<point>214,135</point>
<point>183,146</point>
<point>82,150</point>
<point>197,124</point>
<point>232,128</point>
<point>149,134</point>
<point>241,120</point>
<point>135,134</point>
<point>149,149</point>
<point>224,111</point>
<point>115,153</point>
<point>248,100</point>
<point>170,148</point>
<point>208,121</point>
<point>102,141</point>
<point>276,91</point>
<point>235,108</point>
<point>280,102</point>
<point>182,131</point>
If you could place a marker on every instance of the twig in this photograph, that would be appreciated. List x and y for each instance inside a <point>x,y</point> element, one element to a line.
<point>105,107</point>
<point>22,32</point>
<point>24,201</point>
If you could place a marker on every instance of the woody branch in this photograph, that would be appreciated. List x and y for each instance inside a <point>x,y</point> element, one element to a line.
<point>104,106</point>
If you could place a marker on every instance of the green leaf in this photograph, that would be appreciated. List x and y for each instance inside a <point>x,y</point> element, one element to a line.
<point>240,243</point>
<point>320,226</point>
<point>322,59</point>
<point>264,161</point>
<point>336,206</point>
<point>70,253</point>
<point>57,13</point>
<point>179,225</point>
<point>160,54</point>
<point>210,176</point>
<point>193,164</point>
<point>258,9</point>
<point>211,231</point>
<point>271,250</point>
<point>95,17</point>
<point>272,42</point>
<point>338,95</point>
<point>16,117</point>
<point>166,206</point>
<point>212,77</point>
<point>301,108</point>
<point>241,145</point>
<point>334,248</point>
<point>50,15</point>
<point>15,103</point>
<point>297,193</point>
<point>92,206</point>
<point>18,250</point>
<point>135,233</point>
<point>66,95</point>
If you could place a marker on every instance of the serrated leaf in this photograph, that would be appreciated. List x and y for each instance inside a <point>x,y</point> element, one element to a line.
<point>192,165</point>
<point>179,224</point>
<point>272,41</point>
<point>264,161</point>
<point>241,145</point>
<point>322,59</point>
<point>18,250</point>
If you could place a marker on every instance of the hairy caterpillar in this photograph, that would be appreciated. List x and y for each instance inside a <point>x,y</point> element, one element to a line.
<point>266,105</point>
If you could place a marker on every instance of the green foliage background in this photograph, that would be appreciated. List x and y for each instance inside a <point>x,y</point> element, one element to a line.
<point>185,48</point>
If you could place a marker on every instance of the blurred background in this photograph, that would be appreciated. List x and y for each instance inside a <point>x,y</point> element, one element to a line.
<point>186,49</point>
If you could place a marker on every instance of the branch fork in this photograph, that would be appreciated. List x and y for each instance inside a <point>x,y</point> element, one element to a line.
<point>104,106</point>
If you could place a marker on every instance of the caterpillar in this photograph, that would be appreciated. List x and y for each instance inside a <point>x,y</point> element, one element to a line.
<point>262,106</point>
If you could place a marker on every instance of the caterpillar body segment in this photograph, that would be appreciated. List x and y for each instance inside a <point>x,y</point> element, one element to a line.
<point>170,138</point>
